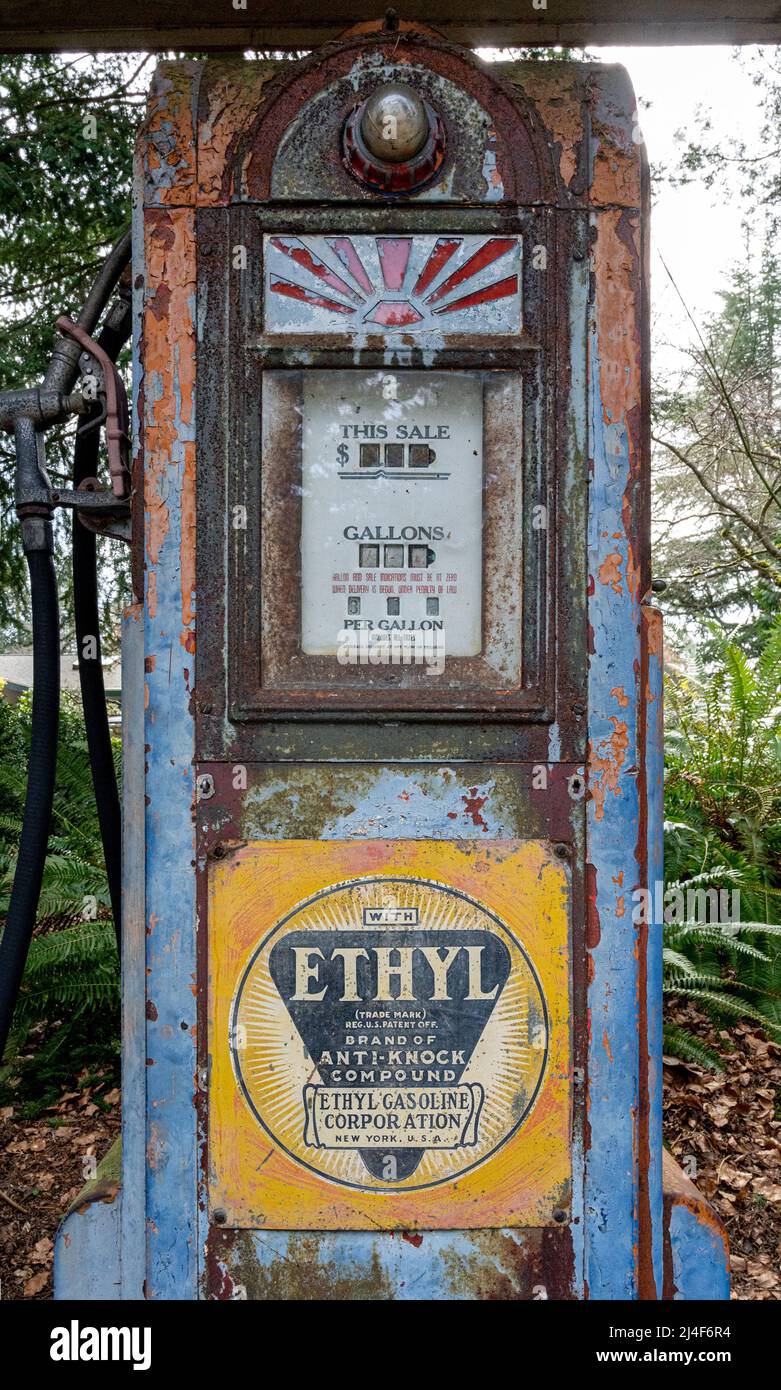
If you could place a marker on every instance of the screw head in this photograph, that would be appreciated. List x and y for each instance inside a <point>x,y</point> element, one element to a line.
<point>395,124</point>
<point>220,1216</point>
<point>204,786</point>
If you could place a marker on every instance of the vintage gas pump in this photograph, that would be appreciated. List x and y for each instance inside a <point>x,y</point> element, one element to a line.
<point>393,763</point>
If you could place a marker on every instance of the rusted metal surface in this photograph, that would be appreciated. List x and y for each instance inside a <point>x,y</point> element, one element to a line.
<point>489,157</point>
<point>494,1151</point>
<point>696,1251</point>
<point>652,826</point>
<point>167,263</point>
<point>572,758</point>
<point>395,1266</point>
<point>259,675</point>
<point>166,24</point>
<point>364,804</point>
<point>132,1197</point>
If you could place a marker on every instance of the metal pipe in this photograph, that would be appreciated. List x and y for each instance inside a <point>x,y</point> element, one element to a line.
<point>63,368</point>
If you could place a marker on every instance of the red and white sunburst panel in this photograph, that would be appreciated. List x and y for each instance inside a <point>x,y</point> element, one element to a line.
<point>361,285</point>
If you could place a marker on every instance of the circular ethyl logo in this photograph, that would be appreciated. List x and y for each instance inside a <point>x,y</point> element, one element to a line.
<point>389,1033</point>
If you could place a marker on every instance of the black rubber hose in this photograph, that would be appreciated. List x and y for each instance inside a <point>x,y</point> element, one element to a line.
<point>42,767</point>
<point>93,693</point>
<point>40,785</point>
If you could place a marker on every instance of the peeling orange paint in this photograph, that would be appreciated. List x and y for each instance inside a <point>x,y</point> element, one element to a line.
<point>617,167</point>
<point>233,102</point>
<point>558,97</point>
<point>654,628</point>
<point>610,571</point>
<point>615,266</point>
<point>169,370</point>
<point>605,763</point>
<point>187,543</point>
<point>169,137</point>
<point>618,692</point>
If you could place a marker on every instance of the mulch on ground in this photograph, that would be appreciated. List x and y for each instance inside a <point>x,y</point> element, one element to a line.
<point>44,1163</point>
<point>725,1131</point>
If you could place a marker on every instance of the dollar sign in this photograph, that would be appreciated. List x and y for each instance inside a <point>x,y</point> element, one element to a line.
<point>342,454</point>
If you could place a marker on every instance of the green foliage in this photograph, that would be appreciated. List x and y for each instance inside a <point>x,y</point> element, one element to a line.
<point>681,1042</point>
<point>64,199</point>
<point>717,467</point>
<point>723,800</point>
<point>81,1050</point>
<point>72,977</point>
<point>70,971</point>
<point>717,473</point>
<point>723,780</point>
<point>75,871</point>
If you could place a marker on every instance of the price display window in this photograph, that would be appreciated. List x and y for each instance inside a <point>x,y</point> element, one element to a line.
<point>392,508</point>
<point>392,530</point>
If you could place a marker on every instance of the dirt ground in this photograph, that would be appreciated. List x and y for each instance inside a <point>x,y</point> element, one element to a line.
<point>725,1130</point>
<point>44,1164</point>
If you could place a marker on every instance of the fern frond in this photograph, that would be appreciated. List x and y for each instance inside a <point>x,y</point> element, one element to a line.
<point>723,1003</point>
<point>73,969</point>
<point>679,1042</point>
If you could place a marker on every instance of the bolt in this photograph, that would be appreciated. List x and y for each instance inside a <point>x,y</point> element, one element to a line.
<point>578,710</point>
<point>562,851</point>
<point>220,1216</point>
<point>558,1215</point>
<point>204,786</point>
<point>218,852</point>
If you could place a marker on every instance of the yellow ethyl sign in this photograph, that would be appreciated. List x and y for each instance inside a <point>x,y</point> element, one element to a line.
<point>389,1035</point>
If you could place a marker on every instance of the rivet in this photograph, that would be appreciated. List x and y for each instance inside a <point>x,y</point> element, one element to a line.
<point>560,1216</point>
<point>562,850</point>
<point>204,786</point>
<point>220,1216</point>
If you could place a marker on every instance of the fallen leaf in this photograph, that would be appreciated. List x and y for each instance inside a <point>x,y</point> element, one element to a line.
<point>37,1284</point>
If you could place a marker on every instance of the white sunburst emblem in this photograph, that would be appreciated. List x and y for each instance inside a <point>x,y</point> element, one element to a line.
<point>365,284</point>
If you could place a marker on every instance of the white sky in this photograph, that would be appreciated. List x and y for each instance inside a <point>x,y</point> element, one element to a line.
<point>698,232</point>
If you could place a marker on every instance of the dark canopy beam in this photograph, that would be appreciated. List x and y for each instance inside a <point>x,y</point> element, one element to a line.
<point>84,25</point>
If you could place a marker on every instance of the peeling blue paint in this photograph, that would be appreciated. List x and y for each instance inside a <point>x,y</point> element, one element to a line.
<point>699,1265</point>
<point>612,827</point>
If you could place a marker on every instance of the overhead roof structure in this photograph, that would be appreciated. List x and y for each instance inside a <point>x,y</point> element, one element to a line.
<point>83,25</point>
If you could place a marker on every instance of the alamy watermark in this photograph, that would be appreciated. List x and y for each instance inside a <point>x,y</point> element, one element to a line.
<point>373,647</point>
<point>678,903</point>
